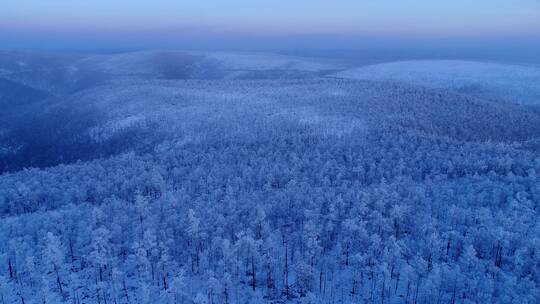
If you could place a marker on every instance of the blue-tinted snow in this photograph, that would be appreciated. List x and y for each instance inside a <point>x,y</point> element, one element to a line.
<point>495,81</point>
<point>189,177</point>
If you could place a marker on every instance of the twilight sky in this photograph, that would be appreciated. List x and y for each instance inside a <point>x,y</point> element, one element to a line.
<point>170,23</point>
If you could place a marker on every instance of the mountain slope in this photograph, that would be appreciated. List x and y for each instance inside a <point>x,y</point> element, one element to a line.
<point>234,178</point>
<point>492,81</point>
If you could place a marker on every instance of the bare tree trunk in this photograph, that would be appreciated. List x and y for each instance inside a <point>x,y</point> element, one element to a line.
<point>226,294</point>
<point>125,290</point>
<point>453,301</point>
<point>58,282</point>
<point>286,279</point>
<point>498,255</point>
<point>417,290</point>
<point>320,281</point>
<point>408,291</point>
<point>253,279</point>
<point>383,288</point>
<point>397,282</point>
<point>10,266</point>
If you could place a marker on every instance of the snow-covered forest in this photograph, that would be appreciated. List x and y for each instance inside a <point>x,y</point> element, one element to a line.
<point>168,177</point>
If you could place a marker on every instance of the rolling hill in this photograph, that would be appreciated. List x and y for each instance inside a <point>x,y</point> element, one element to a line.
<point>492,81</point>
<point>190,177</point>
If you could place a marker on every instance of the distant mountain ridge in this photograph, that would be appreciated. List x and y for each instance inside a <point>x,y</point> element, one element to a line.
<point>493,81</point>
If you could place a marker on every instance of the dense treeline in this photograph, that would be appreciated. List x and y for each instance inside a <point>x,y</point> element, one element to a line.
<point>379,217</point>
<point>188,183</point>
<point>135,115</point>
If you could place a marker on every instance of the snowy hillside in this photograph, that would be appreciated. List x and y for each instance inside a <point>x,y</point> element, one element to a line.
<point>494,81</point>
<point>61,74</point>
<point>183,177</point>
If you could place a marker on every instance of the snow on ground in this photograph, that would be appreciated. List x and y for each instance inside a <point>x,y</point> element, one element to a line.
<point>245,178</point>
<point>494,81</point>
<point>258,61</point>
<point>130,63</point>
<point>182,105</point>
